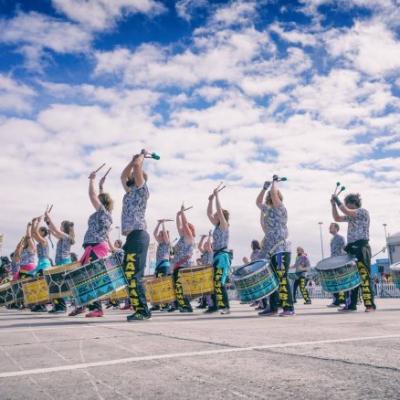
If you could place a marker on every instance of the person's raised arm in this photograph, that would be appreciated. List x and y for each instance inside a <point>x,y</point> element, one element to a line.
<point>179,224</point>
<point>262,222</point>
<point>223,223</point>
<point>335,214</point>
<point>138,169</point>
<point>125,175</point>
<point>94,199</point>
<point>35,231</point>
<point>156,231</point>
<point>344,209</point>
<point>210,211</point>
<point>54,230</point>
<point>261,195</point>
<point>200,246</point>
<point>187,233</point>
<point>276,201</point>
<point>31,243</point>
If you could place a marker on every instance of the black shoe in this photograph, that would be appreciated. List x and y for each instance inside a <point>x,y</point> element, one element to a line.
<point>57,310</point>
<point>138,317</point>
<point>155,308</point>
<point>268,313</point>
<point>201,306</point>
<point>39,308</point>
<point>172,309</point>
<point>211,310</point>
<point>185,310</point>
<point>307,302</point>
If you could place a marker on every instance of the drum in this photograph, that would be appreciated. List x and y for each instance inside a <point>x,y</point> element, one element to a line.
<point>120,294</point>
<point>255,281</point>
<point>10,293</point>
<point>35,291</point>
<point>97,280</point>
<point>395,272</point>
<point>160,290</point>
<point>56,278</point>
<point>338,274</point>
<point>197,281</point>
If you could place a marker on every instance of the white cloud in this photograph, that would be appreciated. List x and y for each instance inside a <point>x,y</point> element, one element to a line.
<point>294,35</point>
<point>186,8</point>
<point>14,96</point>
<point>102,14</point>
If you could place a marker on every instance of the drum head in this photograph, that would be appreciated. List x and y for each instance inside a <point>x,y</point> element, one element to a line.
<point>395,267</point>
<point>334,262</point>
<point>250,268</point>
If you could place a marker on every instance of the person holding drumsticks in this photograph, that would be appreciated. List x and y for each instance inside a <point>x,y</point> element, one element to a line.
<point>27,254</point>
<point>66,238</point>
<point>183,252</point>
<point>276,247</point>
<point>42,247</point>
<point>134,227</point>
<point>338,244</point>
<point>357,245</point>
<point>222,258</point>
<point>163,264</point>
<point>206,259</point>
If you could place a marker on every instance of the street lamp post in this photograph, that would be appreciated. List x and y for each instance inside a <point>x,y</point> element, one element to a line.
<point>384,228</point>
<point>321,238</point>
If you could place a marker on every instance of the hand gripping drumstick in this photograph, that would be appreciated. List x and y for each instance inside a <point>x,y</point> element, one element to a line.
<point>342,189</point>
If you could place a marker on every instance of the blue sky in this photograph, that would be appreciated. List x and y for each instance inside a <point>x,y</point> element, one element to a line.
<point>228,90</point>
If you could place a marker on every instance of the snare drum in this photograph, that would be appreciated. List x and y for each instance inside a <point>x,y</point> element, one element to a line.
<point>97,280</point>
<point>120,294</point>
<point>338,274</point>
<point>56,278</point>
<point>160,290</point>
<point>395,272</point>
<point>197,281</point>
<point>255,281</point>
<point>10,293</point>
<point>35,291</point>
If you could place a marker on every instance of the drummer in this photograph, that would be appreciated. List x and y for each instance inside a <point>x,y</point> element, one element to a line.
<point>163,264</point>
<point>66,238</point>
<point>302,265</point>
<point>27,255</point>
<point>40,234</point>
<point>255,250</point>
<point>338,243</point>
<point>134,227</point>
<point>276,247</point>
<point>357,245</point>
<point>183,253</point>
<point>206,259</point>
<point>222,257</point>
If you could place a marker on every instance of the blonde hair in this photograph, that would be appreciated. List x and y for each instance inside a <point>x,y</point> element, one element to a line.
<point>68,228</point>
<point>268,199</point>
<point>106,200</point>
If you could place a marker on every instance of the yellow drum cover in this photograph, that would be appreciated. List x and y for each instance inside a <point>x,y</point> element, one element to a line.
<point>58,289</point>
<point>197,281</point>
<point>160,290</point>
<point>35,291</point>
<point>120,294</point>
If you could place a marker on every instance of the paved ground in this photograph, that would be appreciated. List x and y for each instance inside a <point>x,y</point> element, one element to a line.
<point>319,354</point>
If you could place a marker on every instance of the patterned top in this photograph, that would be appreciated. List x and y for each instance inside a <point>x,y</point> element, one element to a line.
<point>358,228</point>
<point>302,264</point>
<point>255,255</point>
<point>162,252</point>
<point>182,250</point>
<point>27,257</point>
<point>42,250</point>
<point>220,238</point>
<point>275,219</point>
<point>15,266</point>
<point>337,245</point>
<point>98,226</point>
<point>63,249</point>
<point>134,209</point>
<point>207,258</point>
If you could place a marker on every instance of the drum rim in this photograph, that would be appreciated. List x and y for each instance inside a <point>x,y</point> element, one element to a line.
<point>348,256</point>
<point>395,266</point>
<point>259,298</point>
<point>235,278</point>
<point>347,290</point>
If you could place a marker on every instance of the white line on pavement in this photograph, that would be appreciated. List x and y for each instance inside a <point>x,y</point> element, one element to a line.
<point>186,354</point>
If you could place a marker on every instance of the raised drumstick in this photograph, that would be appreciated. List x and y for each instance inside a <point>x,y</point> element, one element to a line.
<point>222,188</point>
<point>98,169</point>
<point>337,187</point>
<point>188,208</point>
<point>342,189</point>
<point>108,171</point>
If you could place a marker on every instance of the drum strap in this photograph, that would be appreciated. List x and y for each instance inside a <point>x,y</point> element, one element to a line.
<point>181,262</point>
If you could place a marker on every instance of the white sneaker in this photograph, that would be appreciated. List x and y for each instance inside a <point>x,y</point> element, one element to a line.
<point>225,311</point>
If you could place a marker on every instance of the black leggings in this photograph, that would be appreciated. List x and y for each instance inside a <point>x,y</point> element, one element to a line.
<point>136,247</point>
<point>182,302</point>
<point>302,283</point>
<point>283,296</point>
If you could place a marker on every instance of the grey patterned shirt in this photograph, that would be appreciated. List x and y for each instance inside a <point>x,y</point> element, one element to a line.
<point>358,228</point>
<point>275,219</point>
<point>207,258</point>
<point>134,209</point>
<point>220,238</point>
<point>63,250</point>
<point>162,252</point>
<point>255,255</point>
<point>182,250</point>
<point>42,250</point>
<point>302,264</point>
<point>27,257</point>
<point>98,226</point>
<point>337,245</point>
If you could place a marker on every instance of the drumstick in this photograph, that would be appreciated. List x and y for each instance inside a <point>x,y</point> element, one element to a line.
<point>105,176</point>
<point>337,187</point>
<point>98,169</point>
<point>342,189</point>
<point>223,187</point>
<point>51,207</point>
<point>188,208</point>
